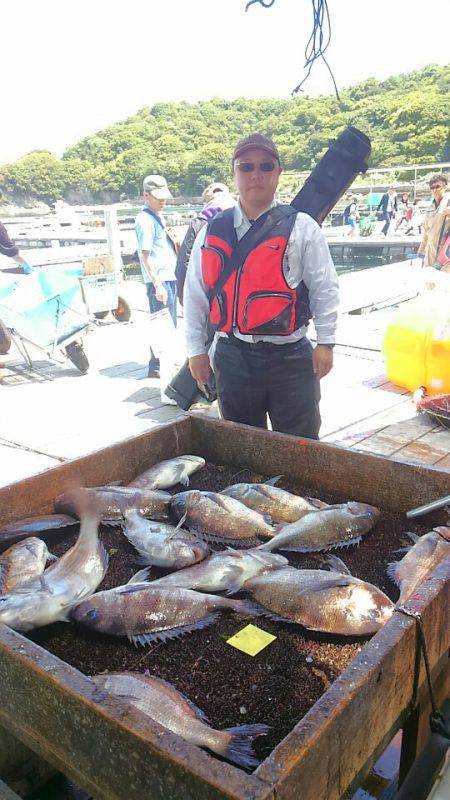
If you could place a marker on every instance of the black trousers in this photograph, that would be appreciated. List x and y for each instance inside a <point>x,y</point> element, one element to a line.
<point>256,380</point>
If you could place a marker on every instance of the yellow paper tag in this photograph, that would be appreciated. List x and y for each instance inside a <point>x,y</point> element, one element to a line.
<point>251,640</point>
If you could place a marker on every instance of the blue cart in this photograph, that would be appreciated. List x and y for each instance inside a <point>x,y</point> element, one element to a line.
<point>46,309</point>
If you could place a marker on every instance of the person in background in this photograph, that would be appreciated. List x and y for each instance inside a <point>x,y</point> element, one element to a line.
<point>8,248</point>
<point>216,197</point>
<point>264,364</point>
<point>403,207</point>
<point>157,254</point>
<point>437,220</point>
<point>352,215</point>
<point>414,219</point>
<point>388,208</point>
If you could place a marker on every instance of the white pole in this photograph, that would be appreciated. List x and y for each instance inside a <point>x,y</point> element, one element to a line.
<point>113,236</point>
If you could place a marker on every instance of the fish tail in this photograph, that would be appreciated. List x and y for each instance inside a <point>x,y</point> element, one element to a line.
<point>336,564</point>
<point>238,741</point>
<point>391,570</point>
<point>244,607</point>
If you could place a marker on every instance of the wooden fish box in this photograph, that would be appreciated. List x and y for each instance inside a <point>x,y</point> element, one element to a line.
<point>113,751</point>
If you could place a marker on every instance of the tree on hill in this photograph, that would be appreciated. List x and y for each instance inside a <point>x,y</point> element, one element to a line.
<point>405,116</point>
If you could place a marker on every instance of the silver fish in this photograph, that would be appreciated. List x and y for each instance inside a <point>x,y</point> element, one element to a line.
<point>145,612</point>
<point>333,602</point>
<point>428,551</point>
<point>33,526</point>
<point>161,702</point>
<point>113,501</point>
<point>226,571</point>
<point>278,504</point>
<point>161,544</point>
<point>71,578</point>
<point>219,518</point>
<point>168,473</point>
<point>334,526</point>
<point>22,562</point>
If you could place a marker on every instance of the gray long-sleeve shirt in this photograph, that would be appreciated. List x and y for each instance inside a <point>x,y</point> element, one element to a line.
<point>307,258</point>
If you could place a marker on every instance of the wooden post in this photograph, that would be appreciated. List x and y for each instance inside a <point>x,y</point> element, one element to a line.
<point>113,236</point>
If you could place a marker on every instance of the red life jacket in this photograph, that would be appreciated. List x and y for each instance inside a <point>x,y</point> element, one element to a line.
<point>255,298</point>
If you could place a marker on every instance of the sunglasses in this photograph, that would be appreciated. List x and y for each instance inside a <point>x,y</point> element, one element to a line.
<point>249,166</point>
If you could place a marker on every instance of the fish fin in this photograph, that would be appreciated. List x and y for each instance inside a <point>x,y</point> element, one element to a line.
<point>316,502</point>
<point>177,528</point>
<point>267,546</point>
<point>241,544</point>
<point>413,536</point>
<point>51,557</point>
<point>184,481</point>
<point>272,481</point>
<point>3,573</point>
<point>239,749</point>
<point>311,549</point>
<point>103,553</point>
<point>143,559</point>
<point>149,638</point>
<point>391,570</point>
<point>111,522</point>
<point>139,577</point>
<point>336,564</point>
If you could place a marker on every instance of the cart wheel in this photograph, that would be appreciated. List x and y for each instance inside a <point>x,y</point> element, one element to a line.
<point>123,311</point>
<point>100,314</point>
<point>76,354</point>
<point>5,339</point>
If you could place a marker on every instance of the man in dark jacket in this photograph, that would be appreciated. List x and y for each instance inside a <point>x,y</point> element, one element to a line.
<point>388,207</point>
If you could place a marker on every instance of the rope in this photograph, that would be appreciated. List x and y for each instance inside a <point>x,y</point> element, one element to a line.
<point>438,723</point>
<point>318,42</point>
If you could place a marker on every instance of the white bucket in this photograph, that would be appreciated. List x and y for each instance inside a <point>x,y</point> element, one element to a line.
<point>167,343</point>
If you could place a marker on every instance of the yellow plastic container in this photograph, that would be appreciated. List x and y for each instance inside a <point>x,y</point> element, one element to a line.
<point>416,344</point>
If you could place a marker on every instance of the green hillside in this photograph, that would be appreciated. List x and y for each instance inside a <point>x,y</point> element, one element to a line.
<point>407,118</point>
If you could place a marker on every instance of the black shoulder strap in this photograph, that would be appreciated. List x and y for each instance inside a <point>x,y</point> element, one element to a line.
<point>155,216</point>
<point>157,219</point>
<point>266,224</point>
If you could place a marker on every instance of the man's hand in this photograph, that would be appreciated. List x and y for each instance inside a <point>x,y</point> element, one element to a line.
<point>161,293</point>
<point>199,366</point>
<point>322,358</point>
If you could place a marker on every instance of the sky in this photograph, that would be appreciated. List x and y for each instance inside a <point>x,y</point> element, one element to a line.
<point>71,67</point>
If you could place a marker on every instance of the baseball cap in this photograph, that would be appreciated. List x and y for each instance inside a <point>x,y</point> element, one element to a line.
<point>212,189</point>
<point>157,186</point>
<point>259,141</point>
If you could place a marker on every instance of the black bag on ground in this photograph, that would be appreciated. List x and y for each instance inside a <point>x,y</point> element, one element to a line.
<point>337,169</point>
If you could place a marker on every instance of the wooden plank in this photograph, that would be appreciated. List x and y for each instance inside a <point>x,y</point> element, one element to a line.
<point>443,463</point>
<point>367,478</point>
<point>106,746</point>
<point>396,436</point>
<point>364,706</point>
<point>121,461</point>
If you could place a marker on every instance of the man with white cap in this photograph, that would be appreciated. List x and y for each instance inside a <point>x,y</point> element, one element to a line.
<point>157,253</point>
<point>258,273</point>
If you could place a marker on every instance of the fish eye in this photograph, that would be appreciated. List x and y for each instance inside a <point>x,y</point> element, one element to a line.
<point>92,613</point>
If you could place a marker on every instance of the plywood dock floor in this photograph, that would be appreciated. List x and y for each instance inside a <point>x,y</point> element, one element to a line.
<point>53,413</point>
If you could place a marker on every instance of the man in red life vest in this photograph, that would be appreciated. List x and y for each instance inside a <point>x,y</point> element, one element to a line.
<point>258,273</point>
